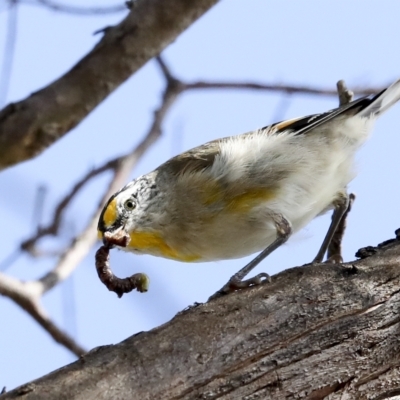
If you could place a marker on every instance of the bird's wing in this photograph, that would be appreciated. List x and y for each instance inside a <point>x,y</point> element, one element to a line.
<point>303,125</point>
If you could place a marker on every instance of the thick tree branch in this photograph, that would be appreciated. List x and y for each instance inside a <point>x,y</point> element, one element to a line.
<point>315,331</point>
<point>31,125</point>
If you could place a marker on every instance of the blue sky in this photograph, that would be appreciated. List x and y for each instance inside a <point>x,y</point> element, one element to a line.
<point>307,43</point>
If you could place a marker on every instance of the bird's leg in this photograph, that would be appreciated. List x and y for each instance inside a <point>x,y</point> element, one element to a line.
<point>341,205</point>
<point>283,232</point>
<point>334,236</point>
<point>334,253</point>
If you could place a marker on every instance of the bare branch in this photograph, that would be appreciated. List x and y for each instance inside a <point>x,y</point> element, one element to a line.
<point>279,88</point>
<point>27,295</point>
<point>52,229</point>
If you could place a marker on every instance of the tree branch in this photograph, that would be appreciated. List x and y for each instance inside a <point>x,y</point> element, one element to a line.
<point>53,227</point>
<point>315,331</point>
<point>27,296</point>
<point>279,88</point>
<point>31,125</point>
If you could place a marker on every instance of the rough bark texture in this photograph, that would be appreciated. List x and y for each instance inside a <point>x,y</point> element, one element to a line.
<point>316,332</point>
<point>31,125</point>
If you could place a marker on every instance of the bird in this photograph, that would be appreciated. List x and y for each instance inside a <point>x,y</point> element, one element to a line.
<point>248,193</point>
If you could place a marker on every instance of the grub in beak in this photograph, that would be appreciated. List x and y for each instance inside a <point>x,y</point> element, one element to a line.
<point>139,281</point>
<point>117,238</point>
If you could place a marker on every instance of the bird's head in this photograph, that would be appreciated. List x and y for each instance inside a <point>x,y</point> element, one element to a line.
<point>132,210</point>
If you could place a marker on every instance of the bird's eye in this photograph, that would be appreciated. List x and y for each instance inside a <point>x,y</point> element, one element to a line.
<point>129,205</point>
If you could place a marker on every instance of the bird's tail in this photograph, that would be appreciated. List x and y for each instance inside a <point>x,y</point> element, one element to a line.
<point>382,101</point>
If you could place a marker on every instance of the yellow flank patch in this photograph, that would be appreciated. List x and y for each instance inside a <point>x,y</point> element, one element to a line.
<point>240,203</point>
<point>99,235</point>
<point>246,201</point>
<point>154,244</point>
<point>110,214</point>
<point>211,193</point>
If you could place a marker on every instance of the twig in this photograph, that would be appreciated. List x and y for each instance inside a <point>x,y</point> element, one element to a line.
<point>279,88</point>
<point>54,226</point>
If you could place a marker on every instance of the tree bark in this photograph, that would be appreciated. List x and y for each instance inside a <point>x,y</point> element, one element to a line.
<point>325,331</point>
<point>31,125</point>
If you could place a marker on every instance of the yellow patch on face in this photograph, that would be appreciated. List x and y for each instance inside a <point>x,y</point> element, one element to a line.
<point>110,215</point>
<point>154,244</point>
<point>246,201</point>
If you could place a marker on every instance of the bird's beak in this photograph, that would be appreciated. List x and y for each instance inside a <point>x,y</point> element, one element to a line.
<point>118,237</point>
